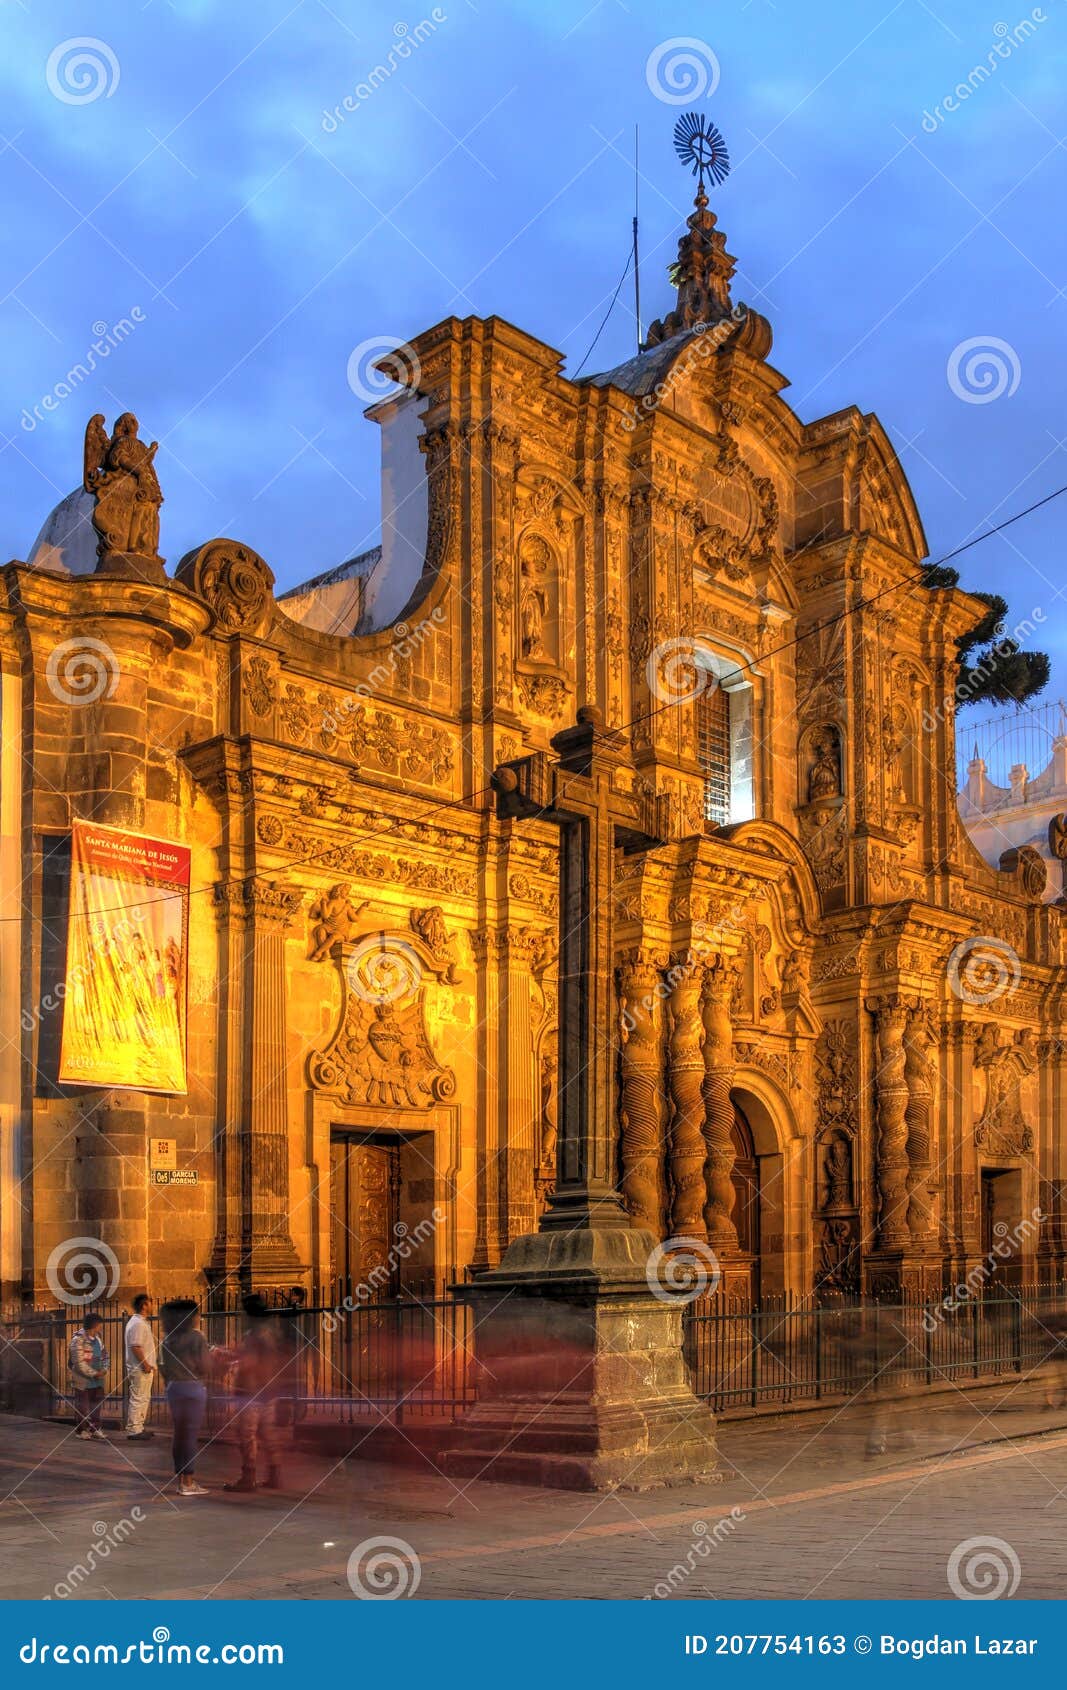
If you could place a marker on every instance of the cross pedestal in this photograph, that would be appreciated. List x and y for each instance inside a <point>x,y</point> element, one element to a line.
<point>578,1346</point>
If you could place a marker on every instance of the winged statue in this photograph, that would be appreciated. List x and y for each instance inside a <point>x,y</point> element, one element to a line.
<point>120,474</point>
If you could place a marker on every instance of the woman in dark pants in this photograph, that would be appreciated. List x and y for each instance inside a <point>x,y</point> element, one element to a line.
<point>185,1359</point>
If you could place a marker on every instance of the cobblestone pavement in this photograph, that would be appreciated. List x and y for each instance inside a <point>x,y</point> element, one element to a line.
<point>800,1512</point>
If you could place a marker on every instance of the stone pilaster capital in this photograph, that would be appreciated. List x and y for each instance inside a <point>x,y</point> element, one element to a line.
<point>267,904</point>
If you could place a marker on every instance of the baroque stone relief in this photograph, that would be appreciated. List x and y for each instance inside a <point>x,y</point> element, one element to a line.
<point>234,580</point>
<point>381,1053</point>
<point>1005,1064</point>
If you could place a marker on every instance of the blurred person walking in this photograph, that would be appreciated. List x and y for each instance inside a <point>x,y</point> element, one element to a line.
<point>139,1343</point>
<point>87,1361</point>
<point>259,1381</point>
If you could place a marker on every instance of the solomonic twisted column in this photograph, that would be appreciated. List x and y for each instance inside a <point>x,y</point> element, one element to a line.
<point>687,1100</point>
<point>917,1072</point>
<point>891,1162</point>
<point>641,1097</point>
<point>718,1106</point>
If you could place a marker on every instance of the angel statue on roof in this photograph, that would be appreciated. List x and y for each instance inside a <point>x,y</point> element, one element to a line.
<point>121,475</point>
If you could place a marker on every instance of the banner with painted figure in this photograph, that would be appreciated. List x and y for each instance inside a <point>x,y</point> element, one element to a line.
<point>127,961</point>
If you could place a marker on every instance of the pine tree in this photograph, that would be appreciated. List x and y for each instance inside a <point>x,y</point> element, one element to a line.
<point>994,669</point>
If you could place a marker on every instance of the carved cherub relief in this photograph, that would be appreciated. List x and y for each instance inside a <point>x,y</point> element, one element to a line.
<point>333,921</point>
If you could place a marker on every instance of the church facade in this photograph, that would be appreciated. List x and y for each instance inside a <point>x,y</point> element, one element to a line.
<point>838,1029</point>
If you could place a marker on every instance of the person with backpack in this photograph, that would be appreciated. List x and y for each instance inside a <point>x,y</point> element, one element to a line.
<point>87,1361</point>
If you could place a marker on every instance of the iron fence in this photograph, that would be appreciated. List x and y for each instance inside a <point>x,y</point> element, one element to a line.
<point>787,1352</point>
<point>345,1357</point>
<point>1024,734</point>
<point>409,1360</point>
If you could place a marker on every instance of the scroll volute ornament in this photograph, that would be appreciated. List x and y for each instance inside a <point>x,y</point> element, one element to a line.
<point>1028,866</point>
<point>235,581</point>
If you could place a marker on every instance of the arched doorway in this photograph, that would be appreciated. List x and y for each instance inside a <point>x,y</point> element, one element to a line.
<point>766,1187</point>
<point>746,1182</point>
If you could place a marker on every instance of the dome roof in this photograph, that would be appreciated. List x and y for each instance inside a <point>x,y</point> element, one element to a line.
<point>67,541</point>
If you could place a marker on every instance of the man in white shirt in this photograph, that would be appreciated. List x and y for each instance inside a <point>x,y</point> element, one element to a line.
<point>140,1365</point>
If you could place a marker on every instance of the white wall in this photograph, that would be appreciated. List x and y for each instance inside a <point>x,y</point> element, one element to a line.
<point>405,510</point>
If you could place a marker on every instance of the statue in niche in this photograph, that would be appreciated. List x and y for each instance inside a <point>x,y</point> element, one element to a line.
<point>534,607</point>
<point>1003,1125</point>
<point>824,776</point>
<point>333,921</point>
<point>838,1262</point>
<point>549,1121</point>
<point>121,475</point>
<point>837,1170</point>
<point>894,738</point>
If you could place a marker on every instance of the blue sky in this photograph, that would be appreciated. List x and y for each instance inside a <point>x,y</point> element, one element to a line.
<point>260,241</point>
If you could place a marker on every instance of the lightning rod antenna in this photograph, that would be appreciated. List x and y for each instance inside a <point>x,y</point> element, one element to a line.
<point>637,266</point>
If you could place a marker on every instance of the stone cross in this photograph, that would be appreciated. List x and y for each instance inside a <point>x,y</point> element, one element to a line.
<point>582,795</point>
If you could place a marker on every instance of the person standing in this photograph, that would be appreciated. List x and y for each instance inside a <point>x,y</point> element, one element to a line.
<point>87,1360</point>
<point>140,1349</point>
<point>185,1359</point>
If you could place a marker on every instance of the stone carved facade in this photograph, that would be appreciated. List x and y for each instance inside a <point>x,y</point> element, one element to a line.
<point>798,1070</point>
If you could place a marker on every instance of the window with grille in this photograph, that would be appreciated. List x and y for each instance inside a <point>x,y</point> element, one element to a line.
<point>713,750</point>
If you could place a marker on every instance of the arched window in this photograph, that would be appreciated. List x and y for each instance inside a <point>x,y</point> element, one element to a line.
<point>724,740</point>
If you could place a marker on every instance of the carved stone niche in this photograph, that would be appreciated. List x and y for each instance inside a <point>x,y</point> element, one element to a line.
<point>234,580</point>
<point>835,1174</point>
<point>381,1053</point>
<point>821,766</point>
<point>541,678</point>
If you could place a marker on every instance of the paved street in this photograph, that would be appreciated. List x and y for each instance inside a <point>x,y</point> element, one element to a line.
<point>800,1512</point>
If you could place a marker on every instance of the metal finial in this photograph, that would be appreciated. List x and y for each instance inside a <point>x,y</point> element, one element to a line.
<point>700,145</point>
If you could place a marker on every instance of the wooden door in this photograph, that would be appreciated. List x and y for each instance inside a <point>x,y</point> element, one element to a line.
<point>364,1211</point>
